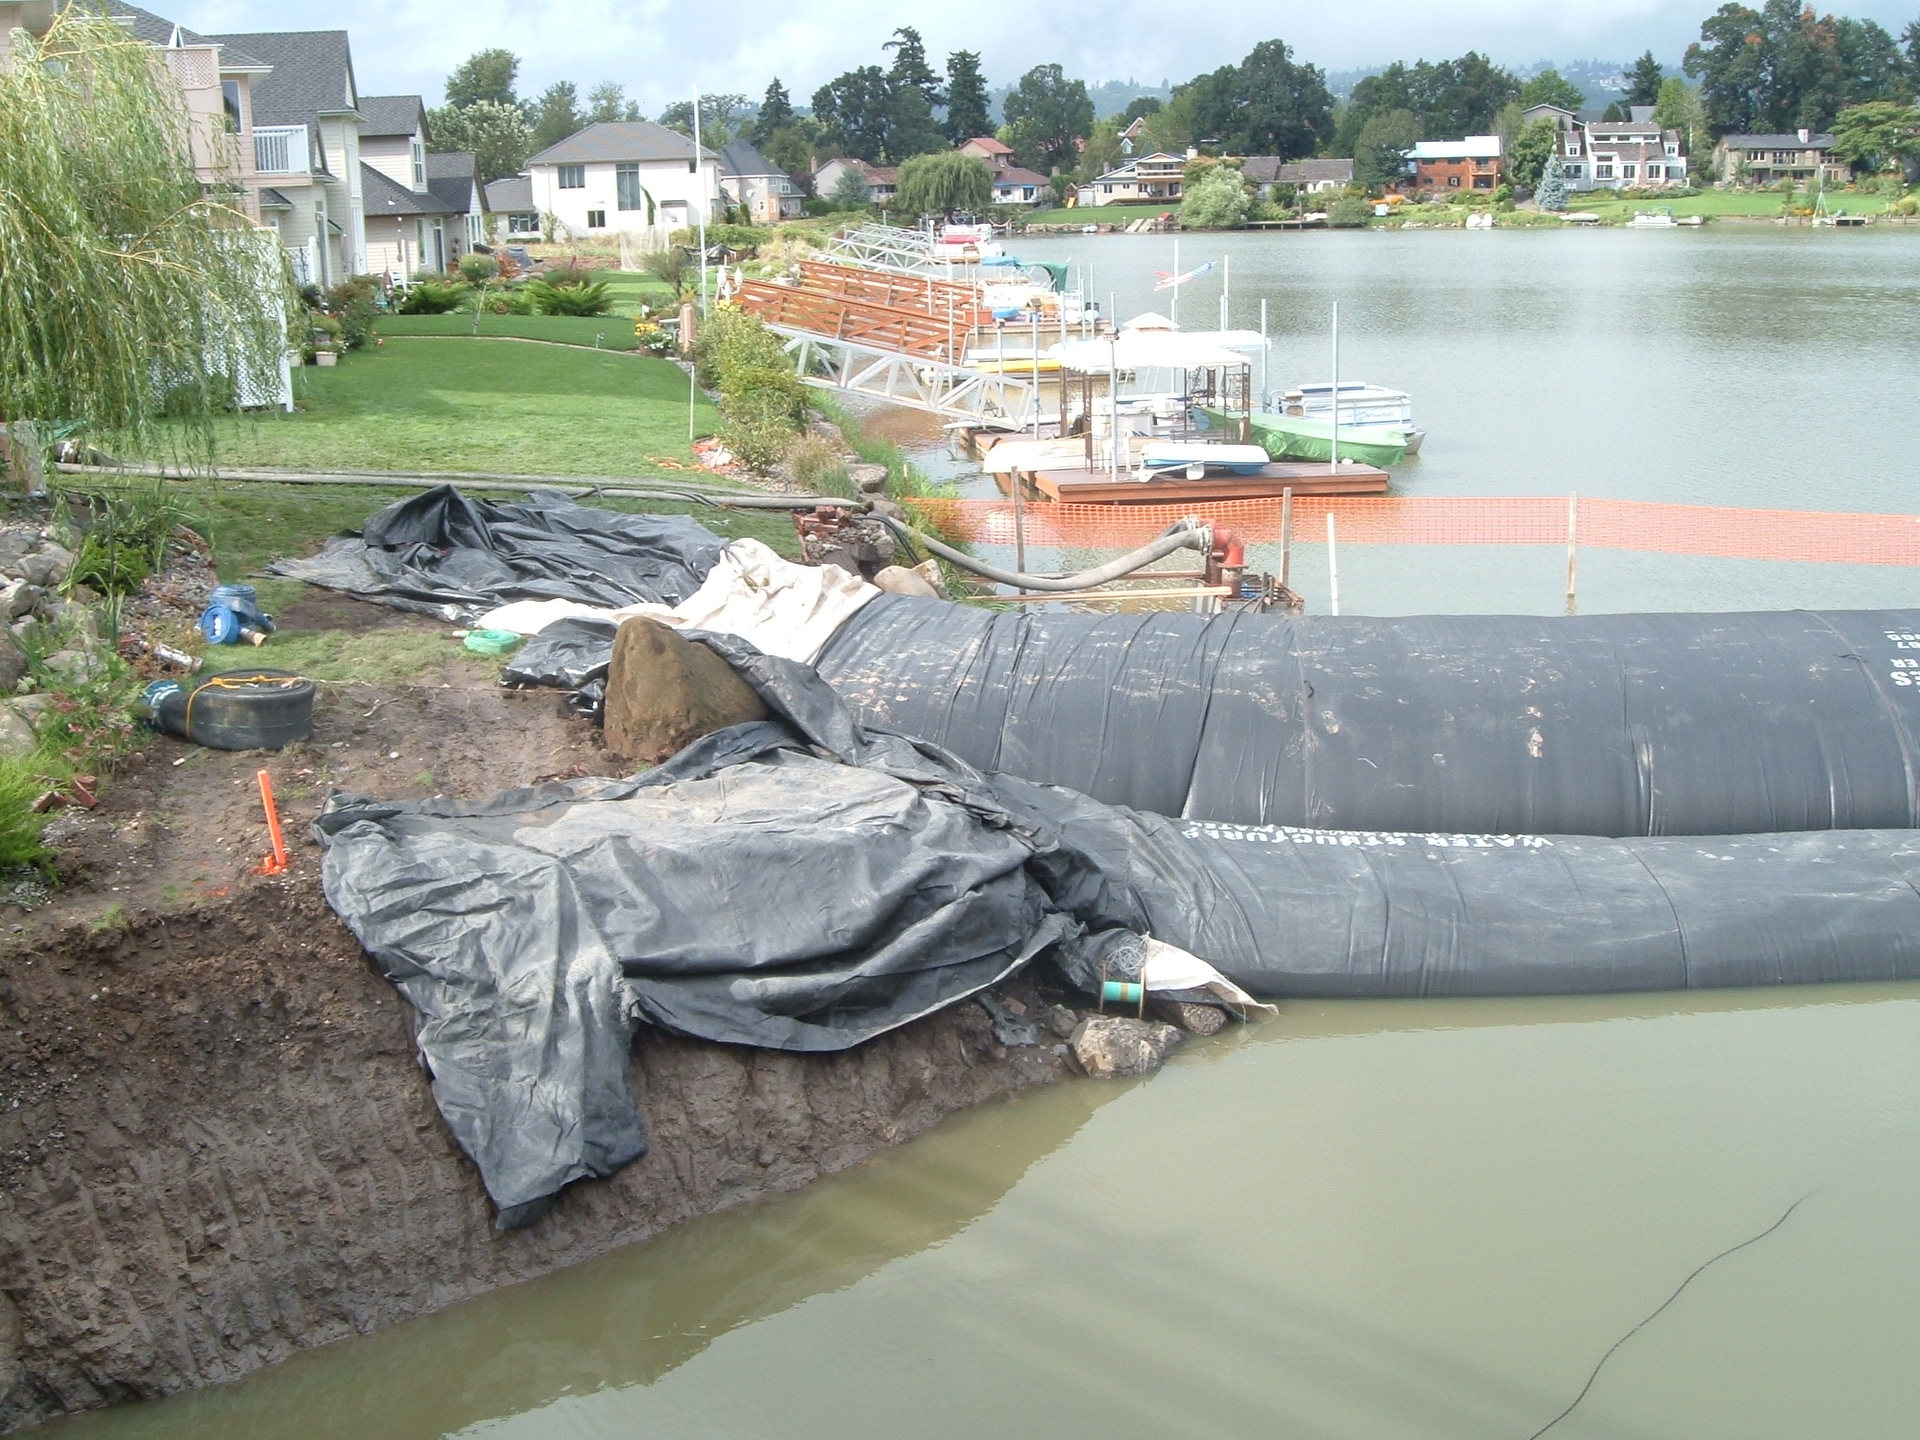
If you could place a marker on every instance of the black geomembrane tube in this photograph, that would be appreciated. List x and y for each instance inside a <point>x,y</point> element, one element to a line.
<point>1617,725</point>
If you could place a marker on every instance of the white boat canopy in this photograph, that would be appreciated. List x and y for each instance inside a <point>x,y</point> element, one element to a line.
<point>1148,350</point>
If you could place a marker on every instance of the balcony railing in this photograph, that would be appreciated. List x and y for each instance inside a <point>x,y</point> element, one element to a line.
<point>280,149</point>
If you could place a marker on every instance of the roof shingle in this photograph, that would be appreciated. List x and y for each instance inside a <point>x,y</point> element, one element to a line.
<point>312,74</point>
<point>618,140</point>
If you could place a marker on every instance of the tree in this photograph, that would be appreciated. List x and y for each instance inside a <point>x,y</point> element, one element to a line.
<point>910,65</point>
<point>1102,150</point>
<point>1785,67</point>
<point>1878,135</point>
<point>1050,115</point>
<point>850,191</point>
<point>608,101</point>
<point>968,114</point>
<point>943,184</point>
<point>1551,193</point>
<point>497,135</point>
<point>1678,108</point>
<point>122,285</point>
<point>912,91</point>
<point>1380,155</point>
<point>1550,87</point>
<point>556,115</point>
<point>485,76</point>
<point>1448,97</point>
<point>1644,80</point>
<point>719,116</point>
<point>1142,106</point>
<point>1265,105</point>
<point>854,109</point>
<point>776,112</point>
<point>1216,201</point>
<point>1531,150</point>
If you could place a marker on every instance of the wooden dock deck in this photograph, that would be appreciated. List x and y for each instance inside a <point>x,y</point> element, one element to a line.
<point>1097,487</point>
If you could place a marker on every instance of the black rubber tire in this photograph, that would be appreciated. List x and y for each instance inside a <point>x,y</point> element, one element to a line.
<point>236,715</point>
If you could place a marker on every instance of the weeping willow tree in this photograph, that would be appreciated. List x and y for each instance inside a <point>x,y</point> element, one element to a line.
<point>135,302</point>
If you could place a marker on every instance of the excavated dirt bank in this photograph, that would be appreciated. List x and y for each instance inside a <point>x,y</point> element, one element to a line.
<point>216,1144</point>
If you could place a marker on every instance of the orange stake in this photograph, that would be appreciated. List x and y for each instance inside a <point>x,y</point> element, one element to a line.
<point>275,863</point>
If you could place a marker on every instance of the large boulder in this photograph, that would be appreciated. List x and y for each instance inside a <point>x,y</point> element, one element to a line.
<point>1110,1046</point>
<point>13,663</point>
<point>665,691</point>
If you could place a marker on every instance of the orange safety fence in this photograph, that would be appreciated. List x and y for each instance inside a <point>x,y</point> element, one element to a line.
<point>1806,535</point>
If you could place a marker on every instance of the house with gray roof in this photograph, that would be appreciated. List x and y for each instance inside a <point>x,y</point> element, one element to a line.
<point>423,211</point>
<point>306,148</point>
<point>1805,157</point>
<point>753,183</point>
<point>625,177</point>
<point>510,203</point>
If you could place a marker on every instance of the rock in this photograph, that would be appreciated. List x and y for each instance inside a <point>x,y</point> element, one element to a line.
<point>75,666</point>
<point>1192,1018</point>
<point>76,620</point>
<point>26,629</point>
<point>13,663</point>
<point>664,692</point>
<point>30,707</point>
<point>1109,1046</point>
<point>47,566</point>
<point>829,432</point>
<point>1061,1021</point>
<point>868,479</point>
<point>23,598</point>
<point>929,571</point>
<point>898,580</point>
<point>882,506</point>
<point>16,735</point>
<point>1008,1028</point>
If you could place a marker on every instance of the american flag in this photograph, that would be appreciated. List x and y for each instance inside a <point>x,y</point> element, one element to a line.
<point>1167,280</point>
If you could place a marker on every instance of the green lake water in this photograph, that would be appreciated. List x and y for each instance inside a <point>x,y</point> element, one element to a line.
<point>1365,1219</point>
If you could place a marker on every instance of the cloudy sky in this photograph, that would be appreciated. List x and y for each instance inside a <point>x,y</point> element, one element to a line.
<point>658,48</point>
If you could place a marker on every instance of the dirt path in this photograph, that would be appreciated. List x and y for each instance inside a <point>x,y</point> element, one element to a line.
<point>216,1144</point>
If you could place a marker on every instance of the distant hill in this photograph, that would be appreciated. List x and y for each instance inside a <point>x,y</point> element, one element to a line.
<point>1604,81</point>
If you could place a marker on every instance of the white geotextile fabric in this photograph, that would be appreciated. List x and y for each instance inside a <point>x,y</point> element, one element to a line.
<point>1168,967</point>
<point>776,606</point>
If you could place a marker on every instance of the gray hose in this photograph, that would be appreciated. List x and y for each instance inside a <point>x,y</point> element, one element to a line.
<point>1181,535</point>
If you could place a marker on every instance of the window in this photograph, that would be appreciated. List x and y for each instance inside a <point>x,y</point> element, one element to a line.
<point>1783,157</point>
<point>1673,149</point>
<point>626,186</point>
<point>1627,172</point>
<point>230,99</point>
<point>523,223</point>
<point>1574,172</point>
<point>419,165</point>
<point>573,177</point>
<point>1453,181</point>
<point>1483,182</point>
<point>596,219</point>
<point>1603,172</point>
<point>1654,172</point>
<point>1573,146</point>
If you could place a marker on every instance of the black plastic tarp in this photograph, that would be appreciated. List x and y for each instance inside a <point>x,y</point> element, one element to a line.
<point>447,554</point>
<point>1692,724</point>
<point>805,884</point>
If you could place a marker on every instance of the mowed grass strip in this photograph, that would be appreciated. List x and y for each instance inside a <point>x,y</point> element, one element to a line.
<point>421,403</point>
<point>595,332</point>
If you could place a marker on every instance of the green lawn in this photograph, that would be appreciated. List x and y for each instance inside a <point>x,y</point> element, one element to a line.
<point>631,287</point>
<point>1101,214</point>
<point>465,404</point>
<point>1728,203</point>
<point>596,332</point>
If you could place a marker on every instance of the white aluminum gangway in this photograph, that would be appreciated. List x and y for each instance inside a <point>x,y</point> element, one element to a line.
<point>888,247</point>
<point>953,391</point>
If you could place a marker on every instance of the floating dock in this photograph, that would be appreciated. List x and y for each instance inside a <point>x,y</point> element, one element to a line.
<point>1102,487</point>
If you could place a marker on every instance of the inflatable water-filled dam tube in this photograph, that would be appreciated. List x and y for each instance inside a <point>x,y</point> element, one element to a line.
<point>1614,725</point>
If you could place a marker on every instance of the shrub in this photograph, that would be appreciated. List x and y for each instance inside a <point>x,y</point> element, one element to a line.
<point>353,305</point>
<point>475,267</point>
<point>1349,213</point>
<point>672,267</point>
<point>432,297</point>
<point>510,302</point>
<point>1216,201</point>
<point>571,273</point>
<point>548,298</point>
<point>818,466</point>
<point>732,343</point>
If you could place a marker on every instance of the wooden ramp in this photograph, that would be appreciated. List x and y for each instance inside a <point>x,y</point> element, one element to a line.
<point>1097,487</point>
<point>834,317</point>
<point>923,293</point>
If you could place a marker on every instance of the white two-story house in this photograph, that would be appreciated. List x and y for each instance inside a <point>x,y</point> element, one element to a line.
<point>1614,154</point>
<point>625,177</point>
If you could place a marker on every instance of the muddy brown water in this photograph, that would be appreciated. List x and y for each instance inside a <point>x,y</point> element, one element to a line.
<point>1410,1218</point>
